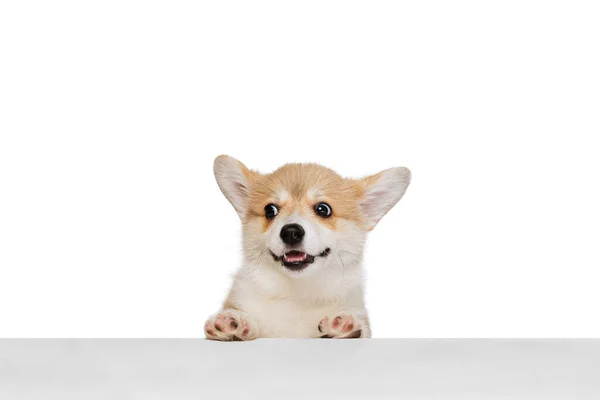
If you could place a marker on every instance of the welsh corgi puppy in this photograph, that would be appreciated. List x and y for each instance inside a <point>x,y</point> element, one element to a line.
<point>304,229</point>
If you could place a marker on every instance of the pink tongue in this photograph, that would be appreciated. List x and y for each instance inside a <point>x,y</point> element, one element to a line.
<point>295,256</point>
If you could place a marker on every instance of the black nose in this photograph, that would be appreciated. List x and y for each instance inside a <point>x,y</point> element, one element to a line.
<point>291,234</point>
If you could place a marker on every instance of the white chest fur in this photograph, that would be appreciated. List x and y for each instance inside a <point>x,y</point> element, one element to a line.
<point>284,306</point>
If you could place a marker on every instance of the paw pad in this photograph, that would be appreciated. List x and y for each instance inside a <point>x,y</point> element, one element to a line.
<point>342,326</point>
<point>228,326</point>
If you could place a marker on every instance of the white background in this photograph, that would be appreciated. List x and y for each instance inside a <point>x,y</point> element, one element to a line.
<point>111,113</point>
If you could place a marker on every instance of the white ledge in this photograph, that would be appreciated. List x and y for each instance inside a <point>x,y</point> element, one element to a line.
<point>299,369</point>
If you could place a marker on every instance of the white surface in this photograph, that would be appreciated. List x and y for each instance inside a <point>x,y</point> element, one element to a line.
<point>111,113</point>
<point>300,369</point>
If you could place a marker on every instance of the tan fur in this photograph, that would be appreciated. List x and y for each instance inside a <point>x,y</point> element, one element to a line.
<point>268,300</point>
<point>307,184</point>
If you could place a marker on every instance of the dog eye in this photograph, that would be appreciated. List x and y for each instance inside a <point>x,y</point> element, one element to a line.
<point>323,210</point>
<point>271,211</point>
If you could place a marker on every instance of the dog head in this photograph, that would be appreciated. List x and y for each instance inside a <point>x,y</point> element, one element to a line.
<point>303,216</point>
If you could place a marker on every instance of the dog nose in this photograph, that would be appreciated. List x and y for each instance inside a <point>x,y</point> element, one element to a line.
<point>291,234</point>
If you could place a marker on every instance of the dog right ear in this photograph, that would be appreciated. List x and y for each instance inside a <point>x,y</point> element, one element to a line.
<point>381,192</point>
<point>235,181</point>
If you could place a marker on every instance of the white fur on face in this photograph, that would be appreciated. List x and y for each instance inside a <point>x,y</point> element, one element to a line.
<point>345,244</point>
<point>316,237</point>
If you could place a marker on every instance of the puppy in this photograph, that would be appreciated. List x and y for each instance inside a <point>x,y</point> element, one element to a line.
<point>304,230</point>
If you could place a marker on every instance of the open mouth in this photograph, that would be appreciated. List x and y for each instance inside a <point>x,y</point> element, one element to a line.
<point>298,260</point>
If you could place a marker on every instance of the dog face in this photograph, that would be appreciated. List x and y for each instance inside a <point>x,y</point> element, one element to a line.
<point>303,217</point>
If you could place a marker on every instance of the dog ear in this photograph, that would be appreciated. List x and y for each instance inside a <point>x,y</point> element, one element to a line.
<point>381,192</point>
<point>235,181</point>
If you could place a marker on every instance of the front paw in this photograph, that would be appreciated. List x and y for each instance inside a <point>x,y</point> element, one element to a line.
<point>344,326</point>
<point>230,325</point>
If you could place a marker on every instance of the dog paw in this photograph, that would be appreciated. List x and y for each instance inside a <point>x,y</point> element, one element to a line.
<point>344,326</point>
<point>230,325</point>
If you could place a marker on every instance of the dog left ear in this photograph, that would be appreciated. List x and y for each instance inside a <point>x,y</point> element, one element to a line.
<point>381,192</point>
<point>235,181</point>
